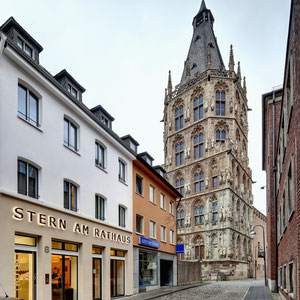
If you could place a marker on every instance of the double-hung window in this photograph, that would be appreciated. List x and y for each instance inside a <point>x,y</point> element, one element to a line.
<point>70,135</point>
<point>122,212</point>
<point>70,196</point>
<point>27,179</point>
<point>152,229</point>
<point>171,207</point>
<point>99,155</point>
<point>28,106</point>
<point>122,170</point>
<point>171,236</point>
<point>179,154</point>
<point>162,201</point>
<point>198,108</point>
<point>99,208</point>
<point>220,103</point>
<point>152,194</point>
<point>162,233</point>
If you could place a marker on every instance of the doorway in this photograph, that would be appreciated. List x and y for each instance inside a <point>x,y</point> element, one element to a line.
<point>25,275</point>
<point>97,266</point>
<point>64,277</point>
<point>166,272</point>
<point>117,277</point>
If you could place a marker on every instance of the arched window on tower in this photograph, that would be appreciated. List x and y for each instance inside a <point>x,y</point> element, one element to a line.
<point>220,136</point>
<point>180,186</point>
<point>198,108</point>
<point>180,218</point>
<point>199,215</point>
<point>198,146</point>
<point>215,211</point>
<point>179,154</point>
<point>179,118</point>
<point>220,103</point>
<point>199,182</point>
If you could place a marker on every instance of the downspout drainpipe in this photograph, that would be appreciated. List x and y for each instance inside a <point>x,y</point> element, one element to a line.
<point>274,195</point>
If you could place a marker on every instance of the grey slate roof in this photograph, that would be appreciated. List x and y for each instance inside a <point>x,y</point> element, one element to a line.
<point>203,36</point>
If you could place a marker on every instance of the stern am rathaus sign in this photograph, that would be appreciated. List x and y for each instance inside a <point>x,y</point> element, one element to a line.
<point>42,219</point>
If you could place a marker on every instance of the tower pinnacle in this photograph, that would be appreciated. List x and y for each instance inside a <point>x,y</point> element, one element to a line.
<point>170,88</point>
<point>239,72</point>
<point>231,61</point>
<point>244,86</point>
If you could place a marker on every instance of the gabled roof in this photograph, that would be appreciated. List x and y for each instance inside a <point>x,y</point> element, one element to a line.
<point>11,22</point>
<point>64,73</point>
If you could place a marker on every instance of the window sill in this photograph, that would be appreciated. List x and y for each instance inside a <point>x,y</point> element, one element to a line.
<point>72,150</point>
<point>164,242</point>
<point>163,208</point>
<point>101,168</point>
<point>124,182</point>
<point>140,195</point>
<point>138,233</point>
<point>153,238</point>
<point>152,202</point>
<point>39,129</point>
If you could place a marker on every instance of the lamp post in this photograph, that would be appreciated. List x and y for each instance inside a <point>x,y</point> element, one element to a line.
<point>253,233</point>
<point>255,261</point>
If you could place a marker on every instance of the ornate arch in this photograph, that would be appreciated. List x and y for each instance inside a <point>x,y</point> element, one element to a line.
<point>197,168</point>
<point>221,86</point>
<point>197,130</point>
<point>177,103</point>
<point>197,202</point>
<point>178,139</point>
<point>198,240</point>
<point>197,92</point>
<point>222,125</point>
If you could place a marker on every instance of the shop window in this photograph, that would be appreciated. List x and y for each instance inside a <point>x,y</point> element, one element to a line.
<point>162,201</point>
<point>117,277</point>
<point>198,108</point>
<point>148,268</point>
<point>25,267</point>
<point>152,229</point>
<point>152,194</point>
<point>25,240</point>
<point>28,106</point>
<point>180,186</point>
<point>122,216</point>
<point>27,179</point>
<point>179,118</point>
<point>100,204</point>
<point>97,273</point>
<point>139,224</point>
<point>118,253</point>
<point>70,196</point>
<point>139,185</point>
<point>59,245</point>
<point>97,250</point>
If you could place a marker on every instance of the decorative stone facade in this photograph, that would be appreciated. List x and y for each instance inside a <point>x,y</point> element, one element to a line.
<point>206,158</point>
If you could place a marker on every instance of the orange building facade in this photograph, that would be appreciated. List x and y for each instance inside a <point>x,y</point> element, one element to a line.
<point>154,226</point>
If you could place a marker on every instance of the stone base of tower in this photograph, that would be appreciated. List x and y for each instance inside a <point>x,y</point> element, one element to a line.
<point>232,270</point>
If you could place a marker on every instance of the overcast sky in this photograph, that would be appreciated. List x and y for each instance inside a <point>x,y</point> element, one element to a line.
<point>121,51</point>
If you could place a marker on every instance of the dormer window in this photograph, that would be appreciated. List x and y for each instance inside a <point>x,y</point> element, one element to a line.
<point>21,44</point>
<point>72,91</point>
<point>104,120</point>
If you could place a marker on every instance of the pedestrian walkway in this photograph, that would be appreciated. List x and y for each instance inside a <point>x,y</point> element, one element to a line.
<point>258,293</point>
<point>165,290</point>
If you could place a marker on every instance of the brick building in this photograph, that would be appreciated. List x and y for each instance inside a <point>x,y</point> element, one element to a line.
<point>206,156</point>
<point>283,178</point>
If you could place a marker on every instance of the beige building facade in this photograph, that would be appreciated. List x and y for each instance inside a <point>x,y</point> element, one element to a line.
<point>206,156</point>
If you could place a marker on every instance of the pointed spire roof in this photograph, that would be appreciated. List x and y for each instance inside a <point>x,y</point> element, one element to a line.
<point>244,86</point>
<point>239,74</point>
<point>170,87</point>
<point>231,60</point>
<point>203,42</point>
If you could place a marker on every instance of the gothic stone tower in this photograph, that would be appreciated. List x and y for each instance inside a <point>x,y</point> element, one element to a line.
<point>205,145</point>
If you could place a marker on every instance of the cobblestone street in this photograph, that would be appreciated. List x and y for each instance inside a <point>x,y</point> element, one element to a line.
<point>223,290</point>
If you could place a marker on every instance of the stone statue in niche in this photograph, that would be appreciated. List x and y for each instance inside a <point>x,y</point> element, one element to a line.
<point>205,105</point>
<point>212,105</point>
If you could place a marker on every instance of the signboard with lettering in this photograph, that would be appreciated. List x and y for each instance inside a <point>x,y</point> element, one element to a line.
<point>147,242</point>
<point>180,248</point>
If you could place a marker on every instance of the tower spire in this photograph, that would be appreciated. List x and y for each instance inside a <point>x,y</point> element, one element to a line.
<point>239,72</point>
<point>203,6</point>
<point>244,86</point>
<point>231,61</point>
<point>170,88</point>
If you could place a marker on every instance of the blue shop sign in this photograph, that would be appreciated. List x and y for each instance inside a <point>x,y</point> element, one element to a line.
<point>147,242</point>
<point>180,248</point>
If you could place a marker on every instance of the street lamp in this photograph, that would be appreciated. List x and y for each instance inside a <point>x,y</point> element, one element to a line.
<point>253,233</point>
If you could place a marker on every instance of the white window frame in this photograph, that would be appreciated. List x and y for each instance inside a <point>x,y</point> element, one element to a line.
<point>119,215</point>
<point>142,184</point>
<point>98,163</point>
<point>76,125</point>
<point>98,198</point>
<point>122,165</point>
<point>153,188</point>
<point>172,232</point>
<point>162,201</point>
<point>24,44</point>
<point>172,207</point>
<point>162,233</point>
<point>154,229</point>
